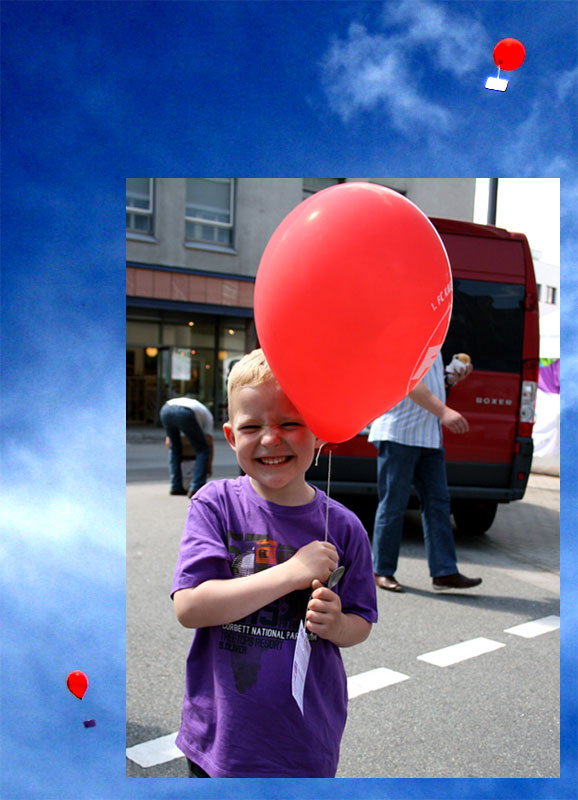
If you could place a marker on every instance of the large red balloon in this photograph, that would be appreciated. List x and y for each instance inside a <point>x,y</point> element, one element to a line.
<point>77,683</point>
<point>352,304</point>
<point>509,54</point>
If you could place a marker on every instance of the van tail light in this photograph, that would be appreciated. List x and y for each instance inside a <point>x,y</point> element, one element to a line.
<point>528,397</point>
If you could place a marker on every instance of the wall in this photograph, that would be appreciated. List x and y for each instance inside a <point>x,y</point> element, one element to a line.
<point>261,204</point>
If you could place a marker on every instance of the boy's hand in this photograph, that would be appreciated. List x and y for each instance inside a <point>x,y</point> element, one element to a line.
<point>324,612</point>
<point>315,560</point>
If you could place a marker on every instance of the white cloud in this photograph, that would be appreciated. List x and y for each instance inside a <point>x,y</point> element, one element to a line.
<point>533,153</point>
<point>567,85</point>
<point>66,477</point>
<point>459,42</point>
<point>366,70</point>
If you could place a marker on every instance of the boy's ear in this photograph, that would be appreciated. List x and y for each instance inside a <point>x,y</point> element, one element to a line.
<point>229,433</point>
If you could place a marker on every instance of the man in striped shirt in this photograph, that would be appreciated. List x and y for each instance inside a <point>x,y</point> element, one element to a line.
<point>410,451</point>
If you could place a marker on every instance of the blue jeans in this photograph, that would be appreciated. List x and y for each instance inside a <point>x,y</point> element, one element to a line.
<point>398,467</point>
<point>177,419</point>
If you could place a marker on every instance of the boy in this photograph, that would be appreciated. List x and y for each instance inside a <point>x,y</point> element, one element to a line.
<point>267,530</point>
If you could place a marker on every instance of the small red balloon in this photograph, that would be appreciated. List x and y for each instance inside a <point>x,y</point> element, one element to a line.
<point>509,54</point>
<point>77,683</point>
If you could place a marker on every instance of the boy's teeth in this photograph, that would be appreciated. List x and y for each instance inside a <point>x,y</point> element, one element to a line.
<point>273,460</point>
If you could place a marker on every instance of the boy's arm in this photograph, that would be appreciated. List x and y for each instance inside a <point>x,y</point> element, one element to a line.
<point>325,618</point>
<point>218,602</point>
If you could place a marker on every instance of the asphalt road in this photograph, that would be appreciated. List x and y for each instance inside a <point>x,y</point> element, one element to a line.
<point>493,715</point>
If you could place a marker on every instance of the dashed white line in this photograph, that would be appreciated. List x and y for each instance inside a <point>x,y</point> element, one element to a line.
<point>460,652</point>
<point>538,626</point>
<point>163,749</point>
<point>155,751</point>
<point>372,680</point>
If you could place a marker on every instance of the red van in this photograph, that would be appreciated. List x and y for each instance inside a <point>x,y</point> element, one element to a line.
<point>494,320</point>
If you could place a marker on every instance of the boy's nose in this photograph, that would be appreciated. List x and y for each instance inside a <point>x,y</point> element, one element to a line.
<point>270,436</point>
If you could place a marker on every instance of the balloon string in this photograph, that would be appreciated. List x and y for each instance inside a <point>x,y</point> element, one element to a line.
<point>327,504</point>
<point>328,486</point>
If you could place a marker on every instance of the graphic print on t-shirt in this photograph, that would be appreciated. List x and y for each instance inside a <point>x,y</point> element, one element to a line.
<point>270,626</point>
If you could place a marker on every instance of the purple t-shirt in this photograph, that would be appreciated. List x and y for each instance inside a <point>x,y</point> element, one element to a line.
<point>240,719</point>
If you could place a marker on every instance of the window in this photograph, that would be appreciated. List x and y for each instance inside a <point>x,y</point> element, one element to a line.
<point>139,205</point>
<point>487,323</point>
<point>551,295</point>
<point>209,211</point>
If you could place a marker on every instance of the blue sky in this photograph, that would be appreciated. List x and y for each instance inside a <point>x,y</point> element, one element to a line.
<point>97,92</point>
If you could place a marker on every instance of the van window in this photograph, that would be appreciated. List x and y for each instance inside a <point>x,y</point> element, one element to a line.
<point>488,323</point>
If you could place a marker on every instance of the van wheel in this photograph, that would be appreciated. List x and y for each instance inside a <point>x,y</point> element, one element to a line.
<point>473,517</point>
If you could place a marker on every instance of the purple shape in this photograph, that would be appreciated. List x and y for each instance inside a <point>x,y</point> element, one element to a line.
<point>89,723</point>
<point>549,378</point>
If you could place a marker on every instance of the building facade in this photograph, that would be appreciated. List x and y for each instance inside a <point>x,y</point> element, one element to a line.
<point>193,247</point>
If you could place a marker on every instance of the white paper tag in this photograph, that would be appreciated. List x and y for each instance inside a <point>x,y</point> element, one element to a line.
<point>497,84</point>
<point>300,665</point>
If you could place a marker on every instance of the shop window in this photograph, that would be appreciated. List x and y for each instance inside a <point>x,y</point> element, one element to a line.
<point>139,205</point>
<point>130,362</point>
<point>233,344</point>
<point>141,385</point>
<point>209,211</point>
<point>195,332</point>
<point>141,332</point>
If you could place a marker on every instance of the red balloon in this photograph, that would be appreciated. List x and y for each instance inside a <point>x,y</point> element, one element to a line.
<point>77,683</point>
<point>353,299</point>
<point>509,54</point>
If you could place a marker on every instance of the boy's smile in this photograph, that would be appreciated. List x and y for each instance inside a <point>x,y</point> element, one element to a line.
<point>272,442</point>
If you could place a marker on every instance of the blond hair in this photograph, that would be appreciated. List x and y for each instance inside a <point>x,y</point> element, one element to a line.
<point>251,370</point>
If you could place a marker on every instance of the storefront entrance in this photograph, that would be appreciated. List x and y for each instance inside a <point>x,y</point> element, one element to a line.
<point>172,354</point>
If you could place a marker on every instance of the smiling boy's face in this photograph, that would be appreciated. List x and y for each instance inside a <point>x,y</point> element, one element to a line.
<point>272,443</point>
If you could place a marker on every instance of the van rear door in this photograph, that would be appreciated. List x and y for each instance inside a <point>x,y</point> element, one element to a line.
<point>495,321</point>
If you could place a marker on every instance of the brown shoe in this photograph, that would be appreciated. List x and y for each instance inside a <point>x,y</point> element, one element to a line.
<point>388,582</point>
<point>455,581</point>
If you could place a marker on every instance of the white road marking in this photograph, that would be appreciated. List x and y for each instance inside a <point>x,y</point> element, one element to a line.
<point>530,629</point>
<point>163,749</point>
<point>372,680</point>
<point>155,751</point>
<point>460,652</point>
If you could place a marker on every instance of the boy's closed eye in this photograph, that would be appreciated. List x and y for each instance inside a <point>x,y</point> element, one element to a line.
<point>285,425</point>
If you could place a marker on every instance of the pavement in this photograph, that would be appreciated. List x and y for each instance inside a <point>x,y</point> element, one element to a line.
<point>512,691</point>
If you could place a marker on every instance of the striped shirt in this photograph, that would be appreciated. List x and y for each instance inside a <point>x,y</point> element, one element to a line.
<point>410,424</point>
